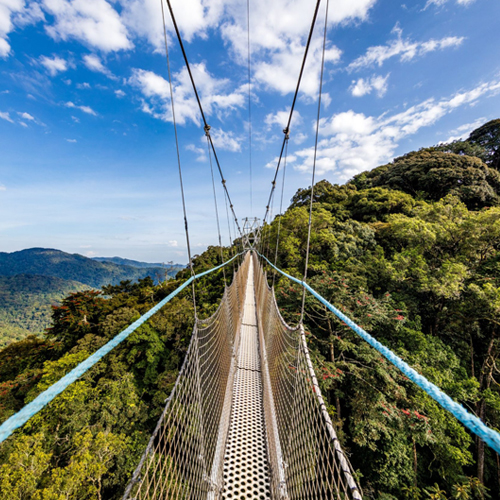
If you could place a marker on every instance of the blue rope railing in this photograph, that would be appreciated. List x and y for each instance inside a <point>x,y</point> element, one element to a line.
<point>21,417</point>
<point>473,423</point>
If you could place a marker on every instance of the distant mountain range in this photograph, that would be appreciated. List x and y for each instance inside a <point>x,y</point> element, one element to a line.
<point>32,280</point>
<point>172,268</point>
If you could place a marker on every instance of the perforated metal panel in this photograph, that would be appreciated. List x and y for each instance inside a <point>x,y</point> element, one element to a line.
<point>246,469</point>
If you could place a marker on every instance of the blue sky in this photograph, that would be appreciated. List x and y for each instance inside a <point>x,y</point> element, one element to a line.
<point>88,162</point>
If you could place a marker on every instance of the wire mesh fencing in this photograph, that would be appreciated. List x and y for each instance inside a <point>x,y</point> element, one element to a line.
<point>306,459</point>
<point>184,457</point>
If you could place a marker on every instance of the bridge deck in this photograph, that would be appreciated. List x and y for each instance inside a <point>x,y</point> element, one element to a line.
<point>246,469</point>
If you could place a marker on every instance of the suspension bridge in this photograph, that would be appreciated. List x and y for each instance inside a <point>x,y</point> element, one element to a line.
<point>246,418</point>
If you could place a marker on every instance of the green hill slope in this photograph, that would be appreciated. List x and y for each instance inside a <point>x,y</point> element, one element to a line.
<point>50,262</point>
<point>26,303</point>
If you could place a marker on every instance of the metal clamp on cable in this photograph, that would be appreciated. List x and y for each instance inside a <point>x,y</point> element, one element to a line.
<point>207,129</point>
<point>286,131</point>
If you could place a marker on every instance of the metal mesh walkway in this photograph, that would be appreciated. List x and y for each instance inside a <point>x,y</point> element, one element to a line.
<point>246,471</point>
<point>246,419</point>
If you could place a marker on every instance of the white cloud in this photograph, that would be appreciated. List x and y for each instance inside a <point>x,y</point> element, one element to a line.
<point>94,22</point>
<point>173,243</point>
<point>404,48</point>
<point>27,116</point>
<point>298,138</point>
<point>85,109</point>
<point>202,153</point>
<point>83,85</point>
<point>119,93</point>
<point>364,86</point>
<point>95,64</point>
<point>6,116</point>
<point>226,140</point>
<point>439,3</point>
<point>352,142</point>
<point>7,9</point>
<point>280,71</point>
<point>2,188</point>
<point>280,118</point>
<point>54,65</point>
<point>30,14</point>
<point>213,94</point>
<point>23,124</point>
<point>278,34</point>
<point>75,119</point>
<point>464,130</point>
<point>71,140</point>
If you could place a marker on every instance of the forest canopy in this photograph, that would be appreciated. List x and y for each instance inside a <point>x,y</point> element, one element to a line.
<point>410,251</point>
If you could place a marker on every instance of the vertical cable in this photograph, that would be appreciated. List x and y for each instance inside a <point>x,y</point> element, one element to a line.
<point>216,211</point>
<point>281,212</point>
<point>186,229</point>
<point>314,165</point>
<point>249,107</point>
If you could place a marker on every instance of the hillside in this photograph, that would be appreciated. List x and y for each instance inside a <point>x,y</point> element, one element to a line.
<point>171,268</point>
<point>75,267</point>
<point>26,303</point>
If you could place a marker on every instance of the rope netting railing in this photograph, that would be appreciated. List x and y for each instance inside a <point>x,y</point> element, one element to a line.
<point>184,457</point>
<point>305,455</point>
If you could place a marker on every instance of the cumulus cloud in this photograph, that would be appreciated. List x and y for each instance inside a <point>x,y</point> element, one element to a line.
<point>353,142</point>
<point>214,94</point>
<point>364,86</point>
<point>6,116</point>
<point>95,64</point>
<point>227,141</point>
<point>119,93</point>
<point>27,116</point>
<point>280,71</point>
<point>7,11</point>
<point>280,118</point>
<point>29,14</point>
<point>173,243</point>
<point>54,65</point>
<point>85,109</point>
<point>403,48</point>
<point>278,38</point>
<point>94,22</point>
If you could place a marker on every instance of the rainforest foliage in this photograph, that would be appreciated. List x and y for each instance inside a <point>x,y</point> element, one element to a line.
<point>410,251</point>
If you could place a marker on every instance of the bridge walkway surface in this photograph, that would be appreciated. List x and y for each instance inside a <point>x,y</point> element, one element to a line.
<point>246,467</point>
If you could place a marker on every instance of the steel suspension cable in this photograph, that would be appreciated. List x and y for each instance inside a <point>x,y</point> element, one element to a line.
<point>216,211</point>
<point>249,106</point>
<point>281,211</point>
<point>186,228</point>
<point>206,125</point>
<point>286,131</point>
<point>314,163</point>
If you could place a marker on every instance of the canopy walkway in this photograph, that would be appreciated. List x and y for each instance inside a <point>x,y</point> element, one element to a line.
<point>246,418</point>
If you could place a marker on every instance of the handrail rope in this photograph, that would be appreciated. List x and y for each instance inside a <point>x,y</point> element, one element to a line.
<point>281,212</point>
<point>186,229</point>
<point>286,131</point>
<point>206,126</point>
<point>473,423</point>
<point>314,163</point>
<point>216,211</point>
<point>22,416</point>
<point>249,106</point>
